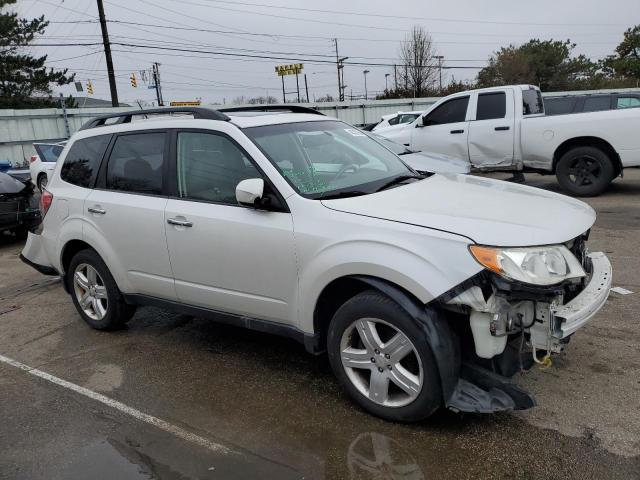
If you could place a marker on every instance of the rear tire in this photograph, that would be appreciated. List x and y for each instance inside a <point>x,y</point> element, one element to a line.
<point>585,171</point>
<point>42,181</point>
<point>95,293</point>
<point>389,371</point>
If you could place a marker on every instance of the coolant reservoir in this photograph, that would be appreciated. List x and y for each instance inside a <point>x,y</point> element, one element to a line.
<point>487,346</point>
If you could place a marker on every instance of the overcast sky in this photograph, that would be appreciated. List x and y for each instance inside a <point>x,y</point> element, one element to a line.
<point>466,32</point>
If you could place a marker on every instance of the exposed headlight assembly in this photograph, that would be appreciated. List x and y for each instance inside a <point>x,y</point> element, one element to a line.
<point>534,265</point>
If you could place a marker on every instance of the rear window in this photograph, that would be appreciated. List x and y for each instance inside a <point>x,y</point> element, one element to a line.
<point>559,106</point>
<point>48,153</point>
<point>82,162</point>
<point>628,102</point>
<point>532,102</point>
<point>597,104</point>
<point>491,105</point>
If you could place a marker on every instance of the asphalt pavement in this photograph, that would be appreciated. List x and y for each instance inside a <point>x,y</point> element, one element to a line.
<point>176,397</point>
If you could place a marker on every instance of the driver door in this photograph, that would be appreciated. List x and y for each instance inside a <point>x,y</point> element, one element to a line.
<point>444,130</point>
<point>226,257</point>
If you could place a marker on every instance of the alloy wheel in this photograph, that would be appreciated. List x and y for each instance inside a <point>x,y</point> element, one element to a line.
<point>381,362</point>
<point>584,170</point>
<point>90,291</point>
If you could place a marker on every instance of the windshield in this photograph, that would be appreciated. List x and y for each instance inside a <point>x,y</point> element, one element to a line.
<point>327,157</point>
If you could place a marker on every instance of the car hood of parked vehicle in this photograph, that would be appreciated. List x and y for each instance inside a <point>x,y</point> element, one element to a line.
<point>487,211</point>
<point>10,185</point>
<point>435,163</point>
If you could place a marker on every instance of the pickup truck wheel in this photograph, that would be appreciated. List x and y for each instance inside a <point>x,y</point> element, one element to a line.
<point>42,181</point>
<point>95,293</point>
<point>381,358</point>
<point>585,171</point>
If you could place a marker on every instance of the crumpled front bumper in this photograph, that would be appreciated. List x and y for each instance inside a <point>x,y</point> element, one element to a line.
<point>566,319</point>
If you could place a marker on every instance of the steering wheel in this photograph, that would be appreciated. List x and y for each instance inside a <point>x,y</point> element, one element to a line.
<point>344,169</point>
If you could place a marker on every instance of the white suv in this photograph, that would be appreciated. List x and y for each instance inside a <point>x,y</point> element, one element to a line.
<point>425,291</point>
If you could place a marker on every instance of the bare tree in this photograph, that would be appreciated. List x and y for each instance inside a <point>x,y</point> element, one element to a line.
<point>419,70</point>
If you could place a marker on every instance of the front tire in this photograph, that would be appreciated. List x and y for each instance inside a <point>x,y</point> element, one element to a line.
<point>585,171</point>
<point>382,359</point>
<point>95,293</point>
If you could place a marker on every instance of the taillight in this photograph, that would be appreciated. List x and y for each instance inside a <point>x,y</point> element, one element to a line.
<point>45,201</point>
<point>33,158</point>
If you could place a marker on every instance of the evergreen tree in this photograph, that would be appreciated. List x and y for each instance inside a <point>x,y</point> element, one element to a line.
<point>25,82</point>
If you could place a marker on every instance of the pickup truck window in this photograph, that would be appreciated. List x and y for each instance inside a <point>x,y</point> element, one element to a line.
<point>628,102</point>
<point>491,105</point>
<point>596,104</point>
<point>532,102</point>
<point>559,105</point>
<point>452,111</point>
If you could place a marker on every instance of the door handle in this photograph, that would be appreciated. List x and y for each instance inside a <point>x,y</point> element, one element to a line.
<point>457,131</point>
<point>498,129</point>
<point>179,223</point>
<point>97,210</point>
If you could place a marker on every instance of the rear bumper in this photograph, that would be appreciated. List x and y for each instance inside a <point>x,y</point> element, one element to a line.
<point>34,255</point>
<point>566,319</point>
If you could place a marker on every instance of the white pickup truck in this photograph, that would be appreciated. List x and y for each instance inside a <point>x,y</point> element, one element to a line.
<point>505,128</point>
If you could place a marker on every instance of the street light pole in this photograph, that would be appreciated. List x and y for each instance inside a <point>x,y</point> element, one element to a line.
<point>366,95</point>
<point>439,57</point>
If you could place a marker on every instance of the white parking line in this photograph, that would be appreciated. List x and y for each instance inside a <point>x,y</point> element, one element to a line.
<point>137,414</point>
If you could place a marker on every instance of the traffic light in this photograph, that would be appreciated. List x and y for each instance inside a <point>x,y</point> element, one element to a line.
<point>89,87</point>
<point>134,82</point>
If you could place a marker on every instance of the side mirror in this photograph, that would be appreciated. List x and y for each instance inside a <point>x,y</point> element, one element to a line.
<point>249,192</point>
<point>425,122</point>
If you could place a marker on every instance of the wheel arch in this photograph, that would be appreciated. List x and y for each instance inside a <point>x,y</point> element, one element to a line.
<point>588,141</point>
<point>438,334</point>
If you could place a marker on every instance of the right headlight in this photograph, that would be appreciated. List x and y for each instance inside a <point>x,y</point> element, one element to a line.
<point>546,265</point>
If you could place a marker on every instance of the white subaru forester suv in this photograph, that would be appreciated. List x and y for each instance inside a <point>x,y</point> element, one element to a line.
<point>424,290</point>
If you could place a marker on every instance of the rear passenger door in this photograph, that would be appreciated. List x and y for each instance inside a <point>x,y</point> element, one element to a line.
<point>491,132</point>
<point>125,213</point>
<point>224,256</point>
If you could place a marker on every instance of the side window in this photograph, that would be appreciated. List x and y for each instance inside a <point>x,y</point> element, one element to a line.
<point>452,111</point>
<point>491,105</point>
<point>395,120</point>
<point>560,105</point>
<point>532,102</point>
<point>136,163</point>
<point>83,159</point>
<point>210,167</point>
<point>596,104</point>
<point>628,102</point>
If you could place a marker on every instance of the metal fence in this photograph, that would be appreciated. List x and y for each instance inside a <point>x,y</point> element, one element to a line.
<point>19,129</point>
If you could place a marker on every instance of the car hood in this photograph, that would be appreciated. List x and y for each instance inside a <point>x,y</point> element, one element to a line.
<point>487,211</point>
<point>9,185</point>
<point>435,163</point>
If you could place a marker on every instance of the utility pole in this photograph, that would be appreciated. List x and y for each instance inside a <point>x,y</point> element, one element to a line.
<point>156,81</point>
<point>306,87</point>
<point>297,85</point>
<point>284,96</point>
<point>395,77</point>
<point>107,54</point>
<point>366,94</point>
<point>338,67</point>
<point>386,77</point>
<point>440,58</point>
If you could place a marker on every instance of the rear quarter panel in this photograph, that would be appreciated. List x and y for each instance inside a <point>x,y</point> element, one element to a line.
<point>541,136</point>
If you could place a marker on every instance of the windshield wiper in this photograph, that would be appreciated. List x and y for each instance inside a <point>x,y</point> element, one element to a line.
<point>397,180</point>
<point>343,194</point>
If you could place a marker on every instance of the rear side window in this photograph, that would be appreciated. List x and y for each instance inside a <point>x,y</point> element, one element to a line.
<point>596,104</point>
<point>136,163</point>
<point>559,106</point>
<point>491,105</point>
<point>82,162</point>
<point>452,111</point>
<point>628,102</point>
<point>48,153</point>
<point>532,102</point>
<point>395,120</point>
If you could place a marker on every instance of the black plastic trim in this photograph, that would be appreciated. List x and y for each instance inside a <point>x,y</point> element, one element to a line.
<point>273,108</point>
<point>199,113</point>
<point>310,341</point>
<point>40,268</point>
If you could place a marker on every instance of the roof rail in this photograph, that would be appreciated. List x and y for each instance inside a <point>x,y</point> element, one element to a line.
<point>273,108</point>
<point>125,117</point>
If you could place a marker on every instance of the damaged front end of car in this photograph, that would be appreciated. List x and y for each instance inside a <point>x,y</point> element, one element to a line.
<point>522,308</point>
